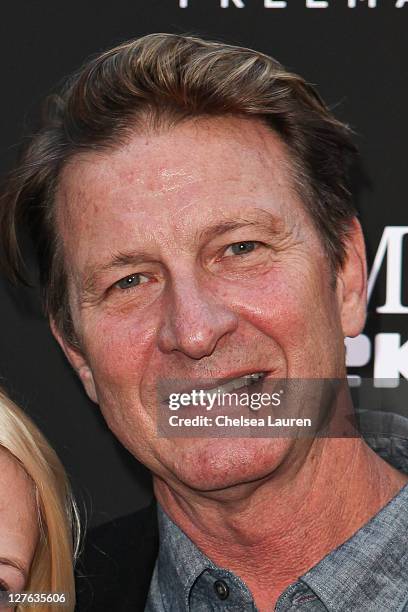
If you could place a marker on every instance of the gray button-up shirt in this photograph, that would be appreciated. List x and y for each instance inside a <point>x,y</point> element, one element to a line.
<point>368,573</point>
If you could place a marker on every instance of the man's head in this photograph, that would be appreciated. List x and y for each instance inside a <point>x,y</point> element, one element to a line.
<point>190,203</point>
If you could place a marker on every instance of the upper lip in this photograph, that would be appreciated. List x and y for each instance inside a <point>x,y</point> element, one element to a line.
<point>176,386</point>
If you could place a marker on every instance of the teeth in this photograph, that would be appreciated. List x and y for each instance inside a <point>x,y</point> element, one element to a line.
<point>237,383</point>
<point>257,375</point>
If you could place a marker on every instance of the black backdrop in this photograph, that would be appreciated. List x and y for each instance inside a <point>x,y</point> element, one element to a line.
<point>357,57</point>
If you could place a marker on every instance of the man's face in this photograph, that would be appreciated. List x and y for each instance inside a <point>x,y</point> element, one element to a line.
<point>190,256</point>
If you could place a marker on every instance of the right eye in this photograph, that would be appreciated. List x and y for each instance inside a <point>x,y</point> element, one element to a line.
<point>131,281</point>
<point>3,587</point>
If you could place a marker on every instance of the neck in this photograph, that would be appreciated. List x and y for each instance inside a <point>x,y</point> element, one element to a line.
<point>271,532</point>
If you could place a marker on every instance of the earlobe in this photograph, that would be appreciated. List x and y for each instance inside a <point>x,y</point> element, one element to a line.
<point>352,283</point>
<point>77,361</point>
<point>86,376</point>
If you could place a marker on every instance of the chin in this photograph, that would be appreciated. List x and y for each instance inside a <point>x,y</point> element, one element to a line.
<point>222,463</point>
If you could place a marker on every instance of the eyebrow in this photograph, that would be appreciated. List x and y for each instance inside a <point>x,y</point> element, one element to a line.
<point>118,260</point>
<point>262,219</point>
<point>14,563</point>
<point>257,217</point>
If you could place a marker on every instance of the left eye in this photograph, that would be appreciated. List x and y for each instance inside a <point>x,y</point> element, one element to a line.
<point>128,282</point>
<point>242,248</point>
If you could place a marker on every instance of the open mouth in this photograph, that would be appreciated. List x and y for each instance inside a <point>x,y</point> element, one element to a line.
<point>238,383</point>
<point>231,385</point>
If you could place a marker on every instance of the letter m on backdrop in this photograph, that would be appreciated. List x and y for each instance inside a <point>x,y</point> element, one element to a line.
<point>391,245</point>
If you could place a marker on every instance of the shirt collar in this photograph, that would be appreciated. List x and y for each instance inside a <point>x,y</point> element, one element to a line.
<point>180,563</point>
<point>370,570</point>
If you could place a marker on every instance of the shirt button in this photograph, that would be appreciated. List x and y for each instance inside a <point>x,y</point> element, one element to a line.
<point>221,588</point>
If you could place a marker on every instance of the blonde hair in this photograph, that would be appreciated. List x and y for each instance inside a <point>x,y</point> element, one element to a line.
<point>52,567</point>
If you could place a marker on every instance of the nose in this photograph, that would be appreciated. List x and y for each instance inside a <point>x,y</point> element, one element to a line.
<point>194,322</point>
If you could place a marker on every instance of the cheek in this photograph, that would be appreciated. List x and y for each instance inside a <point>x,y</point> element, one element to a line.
<point>277,304</point>
<point>296,311</point>
<point>118,351</point>
<point>118,347</point>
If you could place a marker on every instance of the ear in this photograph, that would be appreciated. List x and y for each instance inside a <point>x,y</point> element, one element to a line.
<point>352,283</point>
<point>78,362</point>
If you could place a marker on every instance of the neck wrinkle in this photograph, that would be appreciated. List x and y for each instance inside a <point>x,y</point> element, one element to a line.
<point>277,529</point>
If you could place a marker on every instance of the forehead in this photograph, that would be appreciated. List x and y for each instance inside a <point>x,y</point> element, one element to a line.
<point>160,185</point>
<point>18,514</point>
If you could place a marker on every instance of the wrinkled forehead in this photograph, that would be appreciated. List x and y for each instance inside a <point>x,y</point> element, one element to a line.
<point>167,193</point>
<point>204,161</point>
